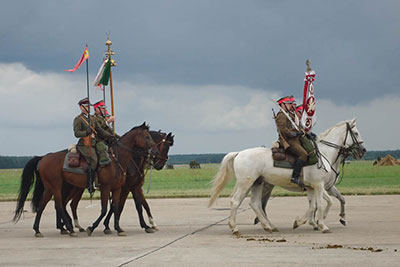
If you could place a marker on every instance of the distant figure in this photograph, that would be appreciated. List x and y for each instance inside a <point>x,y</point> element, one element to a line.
<point>194,165</point>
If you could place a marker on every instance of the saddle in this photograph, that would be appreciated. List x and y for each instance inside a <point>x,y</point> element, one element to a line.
<point>74,162</point>
<point>284,159</point>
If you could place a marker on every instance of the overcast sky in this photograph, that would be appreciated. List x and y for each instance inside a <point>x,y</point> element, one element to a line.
<point>203,70</point>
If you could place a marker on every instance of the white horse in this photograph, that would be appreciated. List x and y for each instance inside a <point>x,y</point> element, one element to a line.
<point>254,166</point>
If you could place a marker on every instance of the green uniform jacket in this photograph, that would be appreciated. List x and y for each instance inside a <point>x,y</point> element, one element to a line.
<point>82,129</point>
<point>104,132</point>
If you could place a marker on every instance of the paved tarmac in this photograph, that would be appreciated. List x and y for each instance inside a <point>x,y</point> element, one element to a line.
<point>190,234</point>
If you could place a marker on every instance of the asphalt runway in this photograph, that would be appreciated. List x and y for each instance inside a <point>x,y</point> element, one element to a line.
<point>190,234</point>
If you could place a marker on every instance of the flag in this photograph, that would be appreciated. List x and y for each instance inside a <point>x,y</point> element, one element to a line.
<point>308,117</point>
<point>84,56</point>
<point>103,75</point>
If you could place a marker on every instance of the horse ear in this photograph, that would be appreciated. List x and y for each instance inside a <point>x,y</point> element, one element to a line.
<point>353,122</point>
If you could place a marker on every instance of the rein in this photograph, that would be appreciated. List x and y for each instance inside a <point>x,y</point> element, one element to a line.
<point>343,151</point>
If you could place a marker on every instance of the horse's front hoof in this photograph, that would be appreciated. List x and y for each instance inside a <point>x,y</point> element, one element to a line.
<point>81,230</point>
<point>256,220</point>
<point>343,222</point>
<point>89,231</point>
<point>107,232</point>
<point>149,230</point>
<point>315,228</point>
<point>38,234</point>
<point>64,232</point>
<point>73,234</point>
<point>326,231</point>
<point>122,233</point>
<point>275,229</point>
<point>295,225</point>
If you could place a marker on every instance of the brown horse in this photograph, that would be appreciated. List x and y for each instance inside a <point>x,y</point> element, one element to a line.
<point>134,182</point>
<point>50,177</point>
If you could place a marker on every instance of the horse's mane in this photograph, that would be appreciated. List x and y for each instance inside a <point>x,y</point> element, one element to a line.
<point>144,126</point>
<point>327,132</point>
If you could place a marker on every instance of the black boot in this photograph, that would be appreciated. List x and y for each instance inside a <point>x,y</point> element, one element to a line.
<point>91,174</point>
<point>298,165</point>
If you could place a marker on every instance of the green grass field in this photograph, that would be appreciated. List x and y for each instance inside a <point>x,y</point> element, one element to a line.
<point>360,177</point>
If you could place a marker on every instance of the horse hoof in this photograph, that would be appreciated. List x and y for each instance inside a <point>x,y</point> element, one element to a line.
<point>326,231</point>
<point>236,233</point>
<point>316,228</point>
<point>155,228</point>
<point>256,220</point>
<point>275,229</point>
<point>343,222</point>
<point>73,234</point>
<point>107,232</point>
<point>149,230</point>
<point>64,232</point>
<point>295,225</point>
<point>81,230</point>
<point>269,230</point>
<point>121,233</point>
<point>38,234</point>
<point>89,231</point>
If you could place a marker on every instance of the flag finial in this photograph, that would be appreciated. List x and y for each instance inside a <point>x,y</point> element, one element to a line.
<point>308,65</point>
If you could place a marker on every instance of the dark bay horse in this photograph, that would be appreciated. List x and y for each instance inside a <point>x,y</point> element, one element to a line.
<point>50,177</point>
<point>134,182</point>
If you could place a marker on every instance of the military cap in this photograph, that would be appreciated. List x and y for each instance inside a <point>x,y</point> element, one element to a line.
<point>299,108</point>
<point>99,104</point>
<point>285,99</point>
<point>84,102</point>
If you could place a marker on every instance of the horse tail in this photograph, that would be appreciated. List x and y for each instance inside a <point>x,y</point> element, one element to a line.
<point>225,173</point>
<point>27,179</point>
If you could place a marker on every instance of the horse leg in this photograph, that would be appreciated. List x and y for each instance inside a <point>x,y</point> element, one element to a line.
<point>59,223</point>
<point>242,188</point>
<point>319,191</point>
<point>45,199</point>
<point>105,193</point>
<point>328,203</point>
<point>255,204</point>
<point>308,216</point>
<point>116,195</point>
<point>266,194</point>
<point>74,206</point>
<point>147,208</point>
<point>64,214</point>
<point>138,205</point>
<point>334,192</point>
<point>106,222</point>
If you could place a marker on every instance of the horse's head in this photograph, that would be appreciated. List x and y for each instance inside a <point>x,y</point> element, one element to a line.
<point>353,142</point>
<point>139,137</point>
<point>164,142</point>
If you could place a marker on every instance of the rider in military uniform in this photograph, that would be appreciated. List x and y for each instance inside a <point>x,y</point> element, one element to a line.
<point>104,134</point>
<point>84,129</point>
<point>290,135</point>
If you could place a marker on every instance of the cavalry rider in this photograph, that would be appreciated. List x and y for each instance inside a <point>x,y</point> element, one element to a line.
<point>290,134</point>
<point>84,129</point>
<point>104,133</point>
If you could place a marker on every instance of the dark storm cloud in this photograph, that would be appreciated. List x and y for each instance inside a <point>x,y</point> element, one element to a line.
<point>353,45</point>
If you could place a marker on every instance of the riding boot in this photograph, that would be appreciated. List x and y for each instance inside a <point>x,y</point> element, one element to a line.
<point>298,165</point>
<point>91,174</point>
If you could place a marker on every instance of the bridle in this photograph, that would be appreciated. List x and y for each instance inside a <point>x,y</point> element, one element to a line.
<point>353,149</point>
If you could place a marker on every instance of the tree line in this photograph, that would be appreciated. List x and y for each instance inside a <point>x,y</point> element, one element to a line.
<point>13,162</point>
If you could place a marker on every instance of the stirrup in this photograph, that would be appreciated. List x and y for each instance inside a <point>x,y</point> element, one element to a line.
<point>297,181</point>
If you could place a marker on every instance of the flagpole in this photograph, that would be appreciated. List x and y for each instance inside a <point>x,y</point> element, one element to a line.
<point>87,85</point>
<point>109,53</point>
